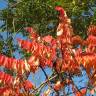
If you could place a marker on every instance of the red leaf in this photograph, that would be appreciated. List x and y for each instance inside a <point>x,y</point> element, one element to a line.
<point>61,10</point>
<point>29,29</point>
<point>81,93</point>
<point>47,39</point>
<point>91,40</point>
<point>17,65</point>
<point>58,85</point>
<point>5,91</point>
<point>77,40</point>
<point>32,32</point>
<point>28,85</point>
<point>6,78</point>
<point>92,30</point>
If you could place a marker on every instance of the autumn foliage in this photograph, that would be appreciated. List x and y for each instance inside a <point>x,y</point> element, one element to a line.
<point>65,54</point>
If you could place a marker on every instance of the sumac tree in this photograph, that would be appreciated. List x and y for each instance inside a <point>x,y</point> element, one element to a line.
<point>67,55</point>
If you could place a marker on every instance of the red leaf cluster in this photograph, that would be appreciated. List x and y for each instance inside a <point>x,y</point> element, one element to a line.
<point>92,30</point>
<point>6,79</point>
<point>44,53</point>
<point>13,64</point>
<point>27,85</point>
<point>81,93</point>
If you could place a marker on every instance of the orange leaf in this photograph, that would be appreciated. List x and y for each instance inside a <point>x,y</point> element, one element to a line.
<point>81,93</point>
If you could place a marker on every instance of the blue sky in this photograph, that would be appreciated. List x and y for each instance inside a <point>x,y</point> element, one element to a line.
<point>3,4</point>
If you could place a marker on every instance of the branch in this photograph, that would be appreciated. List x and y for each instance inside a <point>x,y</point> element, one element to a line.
<point>44,83</point>
<point>14,5</point>
<point>75,86</point>
<point>75,91</point>
<point>44,72</point>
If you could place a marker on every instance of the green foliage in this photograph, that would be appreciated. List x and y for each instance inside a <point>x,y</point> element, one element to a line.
<point>37,94</point>
<point>36,13</point>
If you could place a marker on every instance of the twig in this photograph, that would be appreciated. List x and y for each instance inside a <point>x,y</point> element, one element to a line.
<point>44,72</point>
<point>75,86</point>
<point>44,83</point>
<point>75,91</point>
<point>14,5</point>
